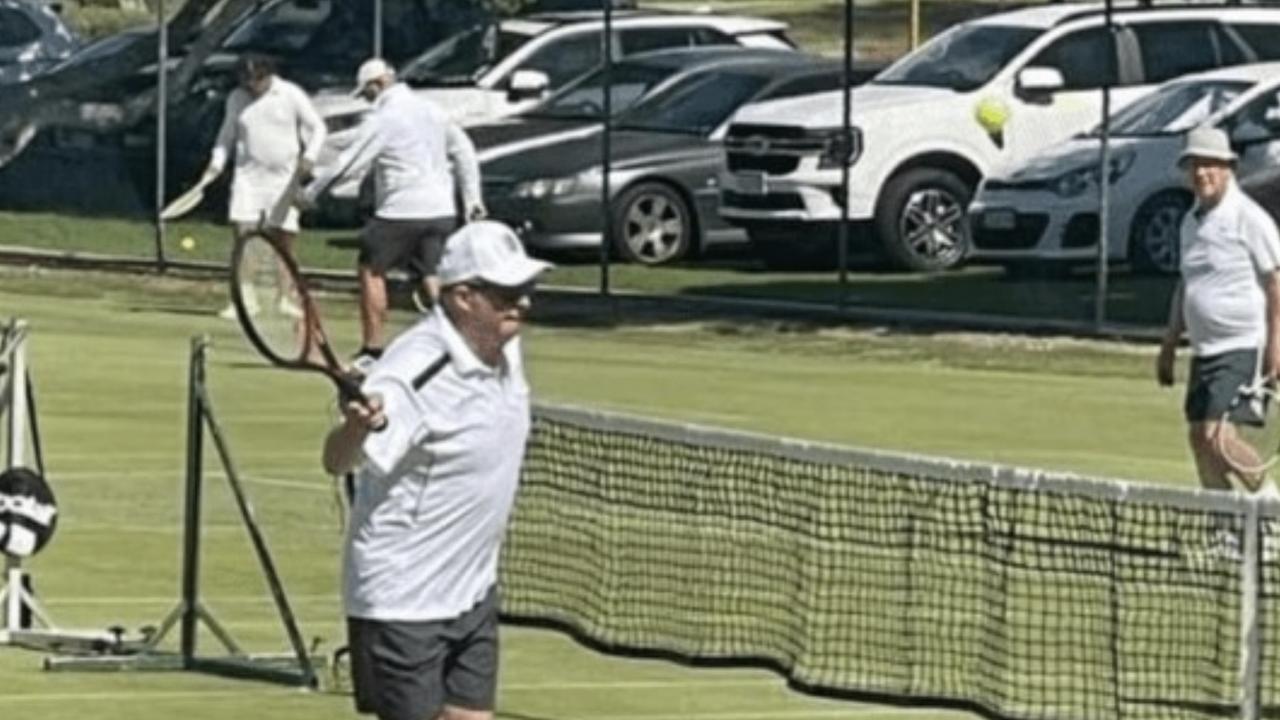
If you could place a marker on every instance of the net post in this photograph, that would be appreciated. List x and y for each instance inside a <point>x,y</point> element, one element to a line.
<point>192,505</point>
<point>1250,635</point>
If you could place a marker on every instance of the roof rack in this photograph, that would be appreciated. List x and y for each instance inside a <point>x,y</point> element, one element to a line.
<point>1140,6</point>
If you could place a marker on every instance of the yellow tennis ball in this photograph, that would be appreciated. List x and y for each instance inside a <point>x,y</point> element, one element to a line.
<point>188,243</point>
<point>992,114</point>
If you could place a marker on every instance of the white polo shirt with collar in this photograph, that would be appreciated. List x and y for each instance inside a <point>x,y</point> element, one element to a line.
<point>1226,252</point>
<point>437,486</point>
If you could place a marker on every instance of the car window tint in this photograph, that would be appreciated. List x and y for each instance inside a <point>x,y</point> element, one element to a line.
<point>567,58</point>
<point>1173,49</point>
<point>697,104</point>
<point>1229,48</point>
<point>806,85</point>
<point>16,28</point>
<point>643,39</point>
<point>1264,39</point>
<point>1084,58</point>
<point>711,36</point>
<point>1259,119</point>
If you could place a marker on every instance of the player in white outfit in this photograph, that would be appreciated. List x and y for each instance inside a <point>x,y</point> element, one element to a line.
<point>276,135</point>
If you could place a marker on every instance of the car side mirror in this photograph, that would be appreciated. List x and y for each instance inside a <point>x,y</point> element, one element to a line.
<point>1040,81</point>
<point>527,84</point>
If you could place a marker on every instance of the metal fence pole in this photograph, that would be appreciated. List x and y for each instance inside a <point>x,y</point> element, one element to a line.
<point>162,130</point>
<point>1104,184</point>
<point>606,147</point>
<point>377,28</point>
<point>845,140</point>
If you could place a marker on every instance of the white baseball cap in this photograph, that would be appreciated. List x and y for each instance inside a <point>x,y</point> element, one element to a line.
<point>488,251</point>
<point>1207,142</point>
<point>370,70</point>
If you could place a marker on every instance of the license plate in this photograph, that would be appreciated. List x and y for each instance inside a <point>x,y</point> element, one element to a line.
<point>754,183</point>
<point>999,220</point>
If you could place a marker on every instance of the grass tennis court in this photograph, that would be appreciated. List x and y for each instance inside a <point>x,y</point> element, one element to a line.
<point>109,357</point>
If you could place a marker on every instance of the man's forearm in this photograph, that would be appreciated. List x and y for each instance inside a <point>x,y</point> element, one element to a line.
<point>1176,323</point>
<point>1271,288</point>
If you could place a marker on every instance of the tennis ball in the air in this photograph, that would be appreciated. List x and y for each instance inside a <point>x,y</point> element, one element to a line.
<point>992,114</point>
<point>188,243</point>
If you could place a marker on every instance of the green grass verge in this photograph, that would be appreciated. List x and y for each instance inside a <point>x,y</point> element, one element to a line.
<point>1131,299</point>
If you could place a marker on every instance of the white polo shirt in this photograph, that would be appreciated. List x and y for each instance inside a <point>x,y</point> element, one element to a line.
<point>269,134</point>
<point>437,485</point>
<point>1226,252</point>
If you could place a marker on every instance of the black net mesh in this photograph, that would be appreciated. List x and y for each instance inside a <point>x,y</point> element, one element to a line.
<point>949,584</point>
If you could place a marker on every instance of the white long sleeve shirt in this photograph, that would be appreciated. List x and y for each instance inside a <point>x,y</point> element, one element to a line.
<point>269,134</point>
<point>420,158</point>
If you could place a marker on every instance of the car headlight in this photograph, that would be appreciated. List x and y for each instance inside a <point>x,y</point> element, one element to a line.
<point>540,188</point>
<point>1078,181</point>
<point>839,148</point>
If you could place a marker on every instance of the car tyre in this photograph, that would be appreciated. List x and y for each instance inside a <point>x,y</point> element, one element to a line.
<point>1156,235</point>
<point>652,224</point>
<point>920,220</point>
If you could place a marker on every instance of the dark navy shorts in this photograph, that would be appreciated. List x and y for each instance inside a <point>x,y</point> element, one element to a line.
<point>413,245</point>
<point>411,670</point>
<point>1213,384</point>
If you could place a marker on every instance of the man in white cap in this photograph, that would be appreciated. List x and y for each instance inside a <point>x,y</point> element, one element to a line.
<point>276,135</point>
<point>437,451</point>
<point>1228,304</point>
<point>421,161</point>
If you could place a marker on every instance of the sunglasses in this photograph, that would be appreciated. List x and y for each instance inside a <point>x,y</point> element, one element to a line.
<point>504,295</point>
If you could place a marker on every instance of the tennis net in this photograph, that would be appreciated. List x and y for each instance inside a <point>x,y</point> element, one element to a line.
<point>1008,592</point>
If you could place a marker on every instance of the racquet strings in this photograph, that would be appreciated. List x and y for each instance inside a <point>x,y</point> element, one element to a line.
<point>271,299</point>
<point>1250,439</point>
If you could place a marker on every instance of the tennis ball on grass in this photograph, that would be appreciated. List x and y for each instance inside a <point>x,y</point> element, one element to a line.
<point>188,243</point>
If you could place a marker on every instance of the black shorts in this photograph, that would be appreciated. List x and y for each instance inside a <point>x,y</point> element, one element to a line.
<point>413,245</point>
<point>410,670</point>
<point>1213,384</point>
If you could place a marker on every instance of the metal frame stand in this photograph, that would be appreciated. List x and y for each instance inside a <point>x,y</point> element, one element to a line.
<point>24,622</point>
<point>297,668</point>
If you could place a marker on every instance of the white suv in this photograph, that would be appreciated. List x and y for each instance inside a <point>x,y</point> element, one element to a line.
<point>919,148</point>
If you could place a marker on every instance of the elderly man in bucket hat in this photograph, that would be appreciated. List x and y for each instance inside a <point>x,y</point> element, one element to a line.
<point>437,452</point>
<point>1227,303</point>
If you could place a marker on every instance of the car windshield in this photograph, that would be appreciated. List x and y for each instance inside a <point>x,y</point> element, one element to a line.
<point>463,57</point>
<point>962,59</point>
<point>696,105</point>
<point>1175,108</point>
<point>282,27</point>
<point>583,99</point>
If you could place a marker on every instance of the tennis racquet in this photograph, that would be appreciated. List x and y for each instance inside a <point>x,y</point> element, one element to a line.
<point>1248,436</point>
<point>278,314</point>
<point>187,201</point>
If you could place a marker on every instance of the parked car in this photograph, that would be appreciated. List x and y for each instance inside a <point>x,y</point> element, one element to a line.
<point>33,39</point>
<point>314,41</point>
<point>665,159</point>
<point>1046,210</point>
<point>493,71</point>
<point>918,147</point>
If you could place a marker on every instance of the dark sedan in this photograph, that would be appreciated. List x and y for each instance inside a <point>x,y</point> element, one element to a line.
<point>664,194</point>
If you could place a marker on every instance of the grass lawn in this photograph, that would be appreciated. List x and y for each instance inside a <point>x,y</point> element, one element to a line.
<point>109,357</point>
<point>1132,299</point>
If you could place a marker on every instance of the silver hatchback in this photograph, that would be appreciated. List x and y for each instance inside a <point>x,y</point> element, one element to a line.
<point>32,39</point>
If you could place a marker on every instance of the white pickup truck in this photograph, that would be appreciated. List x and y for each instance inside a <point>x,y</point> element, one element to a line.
<point>926,130</point>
